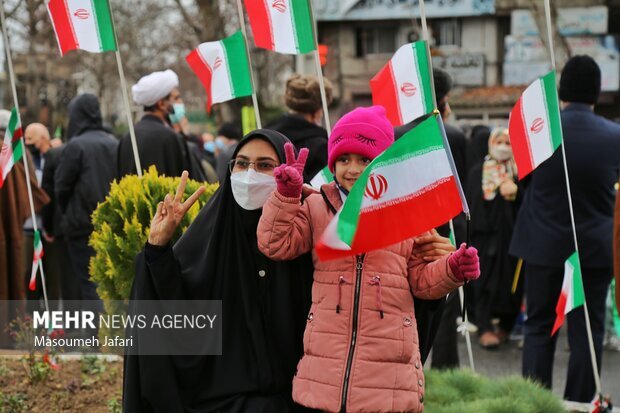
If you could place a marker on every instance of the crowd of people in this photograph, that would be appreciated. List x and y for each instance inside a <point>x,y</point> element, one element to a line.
<point>289,328</point>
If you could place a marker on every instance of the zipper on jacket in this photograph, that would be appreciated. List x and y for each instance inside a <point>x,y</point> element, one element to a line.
<point>359,264</point>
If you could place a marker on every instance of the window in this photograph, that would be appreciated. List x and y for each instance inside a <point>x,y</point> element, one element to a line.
<point>375,40</point>
<point>447,31</point>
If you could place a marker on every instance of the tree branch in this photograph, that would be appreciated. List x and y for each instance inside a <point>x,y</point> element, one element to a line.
<point>188,19</point>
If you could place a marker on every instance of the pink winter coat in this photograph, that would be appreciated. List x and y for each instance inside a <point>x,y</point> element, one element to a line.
<point>361,342</point>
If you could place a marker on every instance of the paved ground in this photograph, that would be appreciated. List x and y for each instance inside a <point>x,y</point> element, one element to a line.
<point>507,361</point>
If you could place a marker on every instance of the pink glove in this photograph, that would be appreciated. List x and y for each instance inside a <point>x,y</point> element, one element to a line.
<point>289,176</point>
<point>464,263</point>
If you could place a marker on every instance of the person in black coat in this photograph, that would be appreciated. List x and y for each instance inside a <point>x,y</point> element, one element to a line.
<point>158,144</point>
<point>82,180</point>
<point>493,195</point>
<point>302,123</point>
<point>543,234</point>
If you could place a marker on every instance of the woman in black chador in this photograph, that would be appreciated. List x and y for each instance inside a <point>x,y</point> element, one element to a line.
<point>493,194</point>
<point>264,303</point>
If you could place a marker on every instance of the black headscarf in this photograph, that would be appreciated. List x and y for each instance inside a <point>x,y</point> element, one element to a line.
<point>263,317</point>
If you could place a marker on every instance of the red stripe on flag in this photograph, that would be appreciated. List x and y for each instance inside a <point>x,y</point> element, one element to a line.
<point>519,140</point>
<point>559,313</point>
<point>62,26</point>
<point>260,20</point>
<point>384,93</point>
<point>17,135</point>
<point>379,229</point>
<point>203,71</point>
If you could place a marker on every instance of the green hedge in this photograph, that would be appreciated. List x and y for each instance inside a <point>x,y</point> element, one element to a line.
<point>461,391</point>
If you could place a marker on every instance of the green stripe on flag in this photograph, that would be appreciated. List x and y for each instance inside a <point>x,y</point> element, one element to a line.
<point>105,28</point>
<point>303,26</point>
<point>550,92</point>
<point>422,139</point>
<point>578,293</point>
<point>237,65</point>
<point>13,121</point>
<point>37,240</point>
<point>421,57</point>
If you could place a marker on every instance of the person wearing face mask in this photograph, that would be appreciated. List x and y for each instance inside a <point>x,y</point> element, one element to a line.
<point>158,143</point>
<point>226,140</point>
<point>302,123</point>
<point>492,192</point>
<point>265,302</point>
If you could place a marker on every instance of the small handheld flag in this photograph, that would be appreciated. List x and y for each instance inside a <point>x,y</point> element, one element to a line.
<point>36,260</point>
<point>405,191</point>
<point>535,127</point>
<point>403,85</point>
<point>284,26</point>
<point>223,69</point>
<point>12,149</point>
<point>572,295</point>
<point>85,25</point>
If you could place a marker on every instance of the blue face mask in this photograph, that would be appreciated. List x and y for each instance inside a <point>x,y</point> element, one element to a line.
<point>209,147</point>
<point>220,144</point>
<point>179,113</point>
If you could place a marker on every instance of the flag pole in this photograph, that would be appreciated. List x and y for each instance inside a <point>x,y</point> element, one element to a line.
<point>121,74</point>
<point>7,48</point>
<point>463,326</point>
<point>597,378</point>
<point>247,51</point>
<point>319,70</point>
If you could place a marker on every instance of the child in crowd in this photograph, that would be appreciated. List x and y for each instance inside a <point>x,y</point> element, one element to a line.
<point>360,343</point>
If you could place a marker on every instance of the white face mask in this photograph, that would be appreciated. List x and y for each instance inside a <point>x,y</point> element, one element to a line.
<point>501,152</point>
<point>251,189</point>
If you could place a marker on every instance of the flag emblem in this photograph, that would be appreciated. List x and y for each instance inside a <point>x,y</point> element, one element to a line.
<point>537,125</point>
<point>279,5</point>
<point>82,14</point>
<point>408,89</point>
<point>377,186</point>
<point>217,63</point>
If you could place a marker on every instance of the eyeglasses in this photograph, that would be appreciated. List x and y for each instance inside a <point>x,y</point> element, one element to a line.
<point>240,165</point>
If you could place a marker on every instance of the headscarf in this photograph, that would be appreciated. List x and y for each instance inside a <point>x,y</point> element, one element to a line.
<point>495,171</point>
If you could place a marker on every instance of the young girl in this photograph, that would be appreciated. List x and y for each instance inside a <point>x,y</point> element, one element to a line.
<point>360,342</point>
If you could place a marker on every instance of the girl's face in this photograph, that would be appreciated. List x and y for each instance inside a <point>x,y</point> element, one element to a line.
<point>348,169</point>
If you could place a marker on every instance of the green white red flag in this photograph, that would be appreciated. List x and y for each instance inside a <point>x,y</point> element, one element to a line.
<point>284,26</point>
<point>403,85</point>
<point>572,295</point>
<point>82,24</point>
<point>223,69</point>
<point>37,256</point>
<point>12,149</point>
<point>407,190</point>
<point>535,127</point>
<point>323,177</point>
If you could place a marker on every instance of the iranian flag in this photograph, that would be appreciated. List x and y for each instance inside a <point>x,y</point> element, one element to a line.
<point>36,260</point>
<point>534,126</point>
<point>572,295</point>
<point>82,24</point>
<point>405,191</point>
<point>223,69</point>
<point>323,177</point>
<point>284,26</point>
<point>403,85</point>
<point>12,149</point>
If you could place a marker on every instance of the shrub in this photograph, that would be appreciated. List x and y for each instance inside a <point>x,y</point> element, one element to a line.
<point>122,224</point>
<point>461,391</point>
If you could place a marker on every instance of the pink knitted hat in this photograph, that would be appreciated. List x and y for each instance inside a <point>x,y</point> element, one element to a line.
<point>364,131</point>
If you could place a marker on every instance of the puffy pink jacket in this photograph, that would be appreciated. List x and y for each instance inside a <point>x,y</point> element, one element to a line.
<point>361,342</point>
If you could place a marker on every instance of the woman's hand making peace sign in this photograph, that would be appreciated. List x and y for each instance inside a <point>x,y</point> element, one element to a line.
<point>170,212</point>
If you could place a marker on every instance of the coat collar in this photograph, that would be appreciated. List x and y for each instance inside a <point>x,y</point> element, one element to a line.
<point>577,107</point>
<point>331,193</point>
